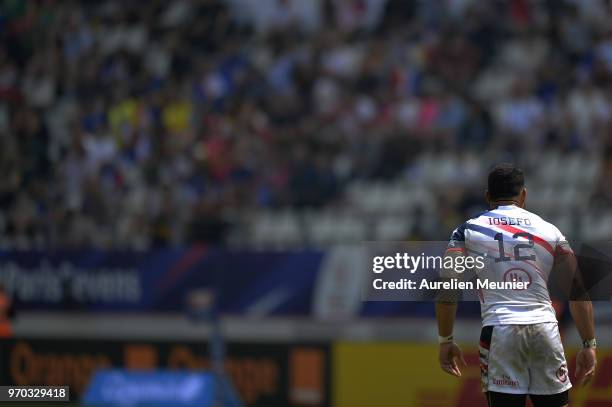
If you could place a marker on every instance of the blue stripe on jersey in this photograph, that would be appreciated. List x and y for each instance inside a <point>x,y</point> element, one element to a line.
<point>481,229</point>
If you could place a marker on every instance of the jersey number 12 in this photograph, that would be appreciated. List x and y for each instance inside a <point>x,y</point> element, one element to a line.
<point>517,254</point>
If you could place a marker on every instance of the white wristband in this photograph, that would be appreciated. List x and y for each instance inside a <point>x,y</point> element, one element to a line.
<point>589,343</point>
<point>445,339</point>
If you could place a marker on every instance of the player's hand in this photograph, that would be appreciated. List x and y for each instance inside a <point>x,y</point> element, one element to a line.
<point>450,357</point>
<point>586,362</point>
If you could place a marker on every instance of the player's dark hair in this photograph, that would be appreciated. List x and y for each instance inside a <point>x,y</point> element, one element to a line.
<point>505,181</point>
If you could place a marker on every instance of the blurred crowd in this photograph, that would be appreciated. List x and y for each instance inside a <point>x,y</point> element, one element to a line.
<point>131,124</point>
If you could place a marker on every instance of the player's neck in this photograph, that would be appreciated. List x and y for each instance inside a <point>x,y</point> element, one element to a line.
<point>510,202</point>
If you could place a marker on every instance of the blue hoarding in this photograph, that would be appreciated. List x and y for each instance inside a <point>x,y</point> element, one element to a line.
<point>281,283</point>
<point>122,388</point>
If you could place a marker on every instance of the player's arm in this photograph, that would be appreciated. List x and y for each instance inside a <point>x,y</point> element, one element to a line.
<point>450,355</point>
<point>586,360</point>
<point>445,314</point>
<point>582,313</point>
<point>566,269</point>
<point>446,302</point>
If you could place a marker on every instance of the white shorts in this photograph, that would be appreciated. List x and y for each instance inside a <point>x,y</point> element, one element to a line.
<point>523,359</point>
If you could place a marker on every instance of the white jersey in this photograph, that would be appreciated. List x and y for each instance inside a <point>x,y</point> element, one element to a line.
<point>518,246</point>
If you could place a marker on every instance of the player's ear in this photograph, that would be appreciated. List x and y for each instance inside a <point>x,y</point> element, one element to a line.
<point>523,197</point>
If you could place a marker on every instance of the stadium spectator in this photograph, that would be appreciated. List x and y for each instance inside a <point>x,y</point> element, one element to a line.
<point>127,126</point>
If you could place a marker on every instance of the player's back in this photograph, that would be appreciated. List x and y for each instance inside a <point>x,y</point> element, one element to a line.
<point>518,246</point>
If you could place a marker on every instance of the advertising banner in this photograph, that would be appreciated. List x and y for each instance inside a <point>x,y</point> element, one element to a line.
<point>323,284</point>
<point>408,375</point>
<point>264,374</point>
<point>122,388</point>
<point>272,283</point>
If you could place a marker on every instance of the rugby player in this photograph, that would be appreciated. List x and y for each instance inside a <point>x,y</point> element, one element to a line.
<point>521,353</point>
